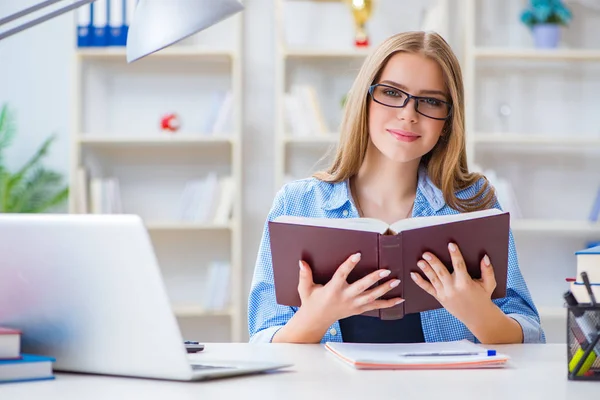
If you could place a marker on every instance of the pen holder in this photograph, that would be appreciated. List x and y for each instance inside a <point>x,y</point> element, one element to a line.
<point>583,342</point>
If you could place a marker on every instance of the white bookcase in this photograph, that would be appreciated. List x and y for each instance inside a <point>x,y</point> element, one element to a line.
<point>117,108</point>
<point>531,118</point>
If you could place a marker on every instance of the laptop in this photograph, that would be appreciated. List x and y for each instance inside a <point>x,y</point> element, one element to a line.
<point>87,290</point>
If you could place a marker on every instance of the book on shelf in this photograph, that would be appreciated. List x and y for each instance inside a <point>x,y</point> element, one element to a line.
<point>105,196</point>
<point>10,343</point>
<point>217,286</point>
<point>325,243</point>
<point>595,211</point>
<point>434,355</point>
<point>207,200</point>
<point>219,119</point>
<point>303,112</point>
<point>588,260</point>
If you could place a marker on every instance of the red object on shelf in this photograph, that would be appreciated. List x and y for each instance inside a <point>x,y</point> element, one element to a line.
<point>362,42</point>
<point>170,122</point>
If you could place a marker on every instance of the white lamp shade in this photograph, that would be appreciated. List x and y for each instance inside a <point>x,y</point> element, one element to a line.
<point>157,24</point>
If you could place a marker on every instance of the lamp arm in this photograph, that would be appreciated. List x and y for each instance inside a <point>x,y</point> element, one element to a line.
<point>39,20</point>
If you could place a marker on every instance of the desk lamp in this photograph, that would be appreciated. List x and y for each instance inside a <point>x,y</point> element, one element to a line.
<point>156,24</point>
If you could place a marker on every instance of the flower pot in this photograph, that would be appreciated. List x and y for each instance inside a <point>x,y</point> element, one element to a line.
<point>546,36</point>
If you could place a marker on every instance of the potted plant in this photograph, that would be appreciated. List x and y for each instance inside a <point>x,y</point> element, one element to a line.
<point>32,188</point>
<point>544,18</point>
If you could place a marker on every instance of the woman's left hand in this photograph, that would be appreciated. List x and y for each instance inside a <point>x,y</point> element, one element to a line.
<point>463,296</point>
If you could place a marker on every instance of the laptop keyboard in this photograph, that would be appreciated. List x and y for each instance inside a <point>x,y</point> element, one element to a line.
<point>201,367</point>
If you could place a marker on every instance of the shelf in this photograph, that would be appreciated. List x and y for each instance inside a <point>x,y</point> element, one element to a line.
<point>316,52</point>
<point>583,141</point>
<point>105,140</point>
<point>537,54</point>
<point>185,226</point>
<point>559,227</point>
<point>326,139</point>
<point>199,311</point>
<point>114,53</point>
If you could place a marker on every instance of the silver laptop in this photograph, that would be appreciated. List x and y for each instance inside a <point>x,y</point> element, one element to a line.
<point>87,290</point>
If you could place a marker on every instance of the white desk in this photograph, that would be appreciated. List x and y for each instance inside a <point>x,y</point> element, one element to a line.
<point>535,372</point>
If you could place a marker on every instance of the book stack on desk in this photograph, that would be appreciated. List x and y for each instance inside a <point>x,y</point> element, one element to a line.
<point>18,367</point>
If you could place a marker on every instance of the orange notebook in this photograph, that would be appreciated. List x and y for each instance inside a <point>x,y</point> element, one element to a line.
<point>460,354</point>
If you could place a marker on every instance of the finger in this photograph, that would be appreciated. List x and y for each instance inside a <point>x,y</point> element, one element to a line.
<point>438,266</point>
<point>305,281</point>
<point>423,284</point>
<point>341,274</point>
<point>377,304</point>
<point>431,274</point>
<point>375,293</point>
<point>366,282</point>
<point>458,261</point>
<point>488,279</point>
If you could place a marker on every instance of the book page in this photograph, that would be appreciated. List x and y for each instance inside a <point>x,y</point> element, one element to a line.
<point>356,224</point>
<point>420,222</point>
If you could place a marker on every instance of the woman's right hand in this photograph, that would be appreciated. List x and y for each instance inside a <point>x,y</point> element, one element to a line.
<point>338,299</point>
<point>322,305</point>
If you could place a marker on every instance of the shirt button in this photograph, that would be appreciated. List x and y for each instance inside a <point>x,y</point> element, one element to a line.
<point>345,213</point>
<point>332,332</point>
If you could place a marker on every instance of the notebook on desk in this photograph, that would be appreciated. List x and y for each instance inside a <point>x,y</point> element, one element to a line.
<point>460,354</point>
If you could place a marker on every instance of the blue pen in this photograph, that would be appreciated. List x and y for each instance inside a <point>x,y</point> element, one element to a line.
<point>487,353</point>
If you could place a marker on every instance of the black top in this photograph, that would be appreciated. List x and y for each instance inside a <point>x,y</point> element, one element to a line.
<point>363,329</point>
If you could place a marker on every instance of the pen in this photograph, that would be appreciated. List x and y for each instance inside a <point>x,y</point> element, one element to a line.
<point>587,327</point>
<point>470,353</point>
<point>588,287</point>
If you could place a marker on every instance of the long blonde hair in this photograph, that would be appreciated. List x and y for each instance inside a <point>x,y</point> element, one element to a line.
<point>446,163</point>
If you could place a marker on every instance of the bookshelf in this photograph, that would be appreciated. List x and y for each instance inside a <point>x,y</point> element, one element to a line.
<point>530,118</point>
<point>117,108</point>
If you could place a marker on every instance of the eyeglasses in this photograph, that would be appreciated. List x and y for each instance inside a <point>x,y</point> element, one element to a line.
<point>393,97</point>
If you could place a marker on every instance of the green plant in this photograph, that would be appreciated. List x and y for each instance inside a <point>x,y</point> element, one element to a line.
<point>32,188</point>
<point>546,12</point>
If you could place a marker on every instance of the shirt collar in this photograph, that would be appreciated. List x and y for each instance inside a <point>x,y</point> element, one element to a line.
<point>340,193</point>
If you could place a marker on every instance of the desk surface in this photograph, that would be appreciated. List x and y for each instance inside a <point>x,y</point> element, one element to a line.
<point>536,371</point>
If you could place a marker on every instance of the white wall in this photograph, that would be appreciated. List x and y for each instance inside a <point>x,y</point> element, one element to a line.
<point>35,81</point>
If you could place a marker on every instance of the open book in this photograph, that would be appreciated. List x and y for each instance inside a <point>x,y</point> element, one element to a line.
<point>325,243</point>
<point>436,355</point>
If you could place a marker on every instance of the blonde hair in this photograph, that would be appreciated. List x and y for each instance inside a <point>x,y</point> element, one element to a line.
<point>446,163</point>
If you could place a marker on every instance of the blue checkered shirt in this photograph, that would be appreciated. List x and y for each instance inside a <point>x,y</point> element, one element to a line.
<point>313,198</point>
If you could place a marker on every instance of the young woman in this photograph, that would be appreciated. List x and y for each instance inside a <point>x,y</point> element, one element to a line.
<point>401,154</point>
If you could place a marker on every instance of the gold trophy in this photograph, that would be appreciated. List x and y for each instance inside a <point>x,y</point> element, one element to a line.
<point>361,10</point>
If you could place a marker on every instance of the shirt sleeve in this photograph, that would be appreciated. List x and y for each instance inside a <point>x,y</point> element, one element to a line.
<point>265,316</point>
<point>518,303</point>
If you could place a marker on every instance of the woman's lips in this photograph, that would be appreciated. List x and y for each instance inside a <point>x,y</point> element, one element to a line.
<point>403,136</point>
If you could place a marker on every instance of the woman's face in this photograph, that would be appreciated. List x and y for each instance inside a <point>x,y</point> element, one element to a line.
<point>403,134</point>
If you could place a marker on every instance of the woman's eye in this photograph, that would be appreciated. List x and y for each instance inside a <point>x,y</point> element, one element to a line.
<point>391,93</point>
<point>430,102</point>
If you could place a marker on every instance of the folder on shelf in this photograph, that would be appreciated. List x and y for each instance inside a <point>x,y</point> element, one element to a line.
<point>117,32</point>
<point>99,23</point>
<point>84,26</point>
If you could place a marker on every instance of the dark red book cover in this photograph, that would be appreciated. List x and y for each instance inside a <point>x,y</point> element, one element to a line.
<point>326,248</point>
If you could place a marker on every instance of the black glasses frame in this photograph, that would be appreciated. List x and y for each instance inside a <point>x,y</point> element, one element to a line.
<point>408,97</point>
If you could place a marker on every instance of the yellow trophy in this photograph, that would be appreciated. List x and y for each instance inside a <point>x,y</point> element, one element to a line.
<point>361,10</point>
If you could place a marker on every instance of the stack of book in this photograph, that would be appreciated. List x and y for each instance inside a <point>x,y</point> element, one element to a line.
<point>18,367</point>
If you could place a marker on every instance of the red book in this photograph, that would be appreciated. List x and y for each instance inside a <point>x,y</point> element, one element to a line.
<point>326,243</point>
<point>10,344</point>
